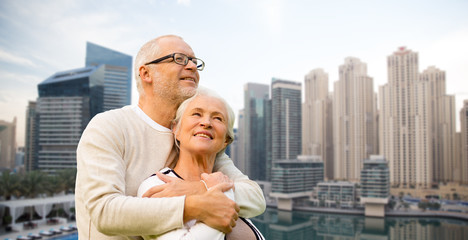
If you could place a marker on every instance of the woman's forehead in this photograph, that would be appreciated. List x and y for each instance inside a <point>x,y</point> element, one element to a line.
<point>207,103</point>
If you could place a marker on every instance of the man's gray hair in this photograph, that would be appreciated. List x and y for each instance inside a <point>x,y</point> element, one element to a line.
<point>202,91</point>
<point>146,53</point>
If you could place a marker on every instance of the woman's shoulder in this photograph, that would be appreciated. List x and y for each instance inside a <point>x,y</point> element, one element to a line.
<point>154,180</point>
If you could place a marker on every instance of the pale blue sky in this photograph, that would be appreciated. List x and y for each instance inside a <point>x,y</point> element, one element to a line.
<point>240,40</point>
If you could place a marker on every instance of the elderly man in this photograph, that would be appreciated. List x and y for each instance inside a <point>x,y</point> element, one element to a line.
<point>120,148</point>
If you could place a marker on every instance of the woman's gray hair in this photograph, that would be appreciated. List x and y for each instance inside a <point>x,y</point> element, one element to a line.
<point>147,51</point>
<point>202,91</point>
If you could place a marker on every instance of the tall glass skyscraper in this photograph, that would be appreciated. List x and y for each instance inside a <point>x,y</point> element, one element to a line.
<point>286,119</point>
<point>67,102</point>
<point>256,97</point>
<point>117,76</point>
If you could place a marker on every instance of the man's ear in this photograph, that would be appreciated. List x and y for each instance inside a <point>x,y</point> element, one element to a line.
<point>144,74</point>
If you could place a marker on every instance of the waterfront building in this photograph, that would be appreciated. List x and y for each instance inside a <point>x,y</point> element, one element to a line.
<point>375,186</point>
<point>295,179</point>
<point>335,194</point>
<point>67,102</point>
<point>317,127</point>
<point>464,143</point>
<point>7,144</point>
<point>256,97</point>
<point>239,158</point>
<point>286,119</point>
<point>443,125</point>
<point>30,143</point>
<point>354,120</point>
<point>405,127</point>
<point>117,74</point>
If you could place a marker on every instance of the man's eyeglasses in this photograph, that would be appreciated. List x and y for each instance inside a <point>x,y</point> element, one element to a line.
<point>181,59</point>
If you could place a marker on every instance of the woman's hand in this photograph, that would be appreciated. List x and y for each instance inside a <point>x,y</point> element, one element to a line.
<point>215,178</point>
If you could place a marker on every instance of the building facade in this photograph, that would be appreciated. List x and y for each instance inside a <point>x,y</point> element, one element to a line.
<point>67,102</point>
<point>443,125</point>
<point>286,119</point>
<point>117,74</point>
<point>7,144</point>
<point>405,139</point>
<point>317,127</point>
<point>256,97</point>
<point>354,120</point>
<point>464,143</point>
<point>30,143</point>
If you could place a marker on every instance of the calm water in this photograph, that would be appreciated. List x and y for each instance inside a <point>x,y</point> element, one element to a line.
<point>282,225</point>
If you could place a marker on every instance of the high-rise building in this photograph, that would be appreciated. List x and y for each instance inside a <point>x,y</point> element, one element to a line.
<point>256,98</point>
<point>117,74</point>
<point>30,146</point>
<point>464,143</point>
<point>405,127</point>
<point>317,127</point>
<point>443,125</point>
<point>240,150</point>
<point>286,119</point>
<point>7,144</point>
<point>354,120</point>
<point>375,186</point>
<point>67,102</point>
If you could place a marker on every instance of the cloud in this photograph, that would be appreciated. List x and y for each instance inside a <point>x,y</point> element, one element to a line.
<point>184,2</point>
<point>12,58</point>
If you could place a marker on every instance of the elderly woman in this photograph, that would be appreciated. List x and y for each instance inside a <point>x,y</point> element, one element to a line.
<point>203,127</point>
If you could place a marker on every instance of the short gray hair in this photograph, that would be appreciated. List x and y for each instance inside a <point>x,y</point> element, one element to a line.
<point>202,91</point>
<point>147,51</point>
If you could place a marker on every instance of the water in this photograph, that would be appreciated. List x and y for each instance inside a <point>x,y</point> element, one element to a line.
<point>73,236</point>
<point>282,225</point>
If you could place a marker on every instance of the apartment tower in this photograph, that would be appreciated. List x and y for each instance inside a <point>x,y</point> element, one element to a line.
<point>354,120</point>
<point>464,143</point>
<point>405,115</point>
<point>317,133</point>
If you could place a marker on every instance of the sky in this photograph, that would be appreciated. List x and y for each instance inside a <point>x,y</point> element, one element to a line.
<point>240,40</point>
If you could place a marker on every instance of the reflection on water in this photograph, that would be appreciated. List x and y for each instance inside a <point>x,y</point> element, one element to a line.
<point>282,225</point>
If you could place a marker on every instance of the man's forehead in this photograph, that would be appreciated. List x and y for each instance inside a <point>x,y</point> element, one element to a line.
<point>170,45</point>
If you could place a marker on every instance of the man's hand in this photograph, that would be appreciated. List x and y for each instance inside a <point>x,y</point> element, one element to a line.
<point>213,208</point>
<point>174,187</point>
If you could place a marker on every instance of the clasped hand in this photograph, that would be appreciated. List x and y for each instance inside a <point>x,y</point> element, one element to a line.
<point>211,207</point>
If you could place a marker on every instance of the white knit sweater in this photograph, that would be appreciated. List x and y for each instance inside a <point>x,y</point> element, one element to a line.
<point>117,151</point>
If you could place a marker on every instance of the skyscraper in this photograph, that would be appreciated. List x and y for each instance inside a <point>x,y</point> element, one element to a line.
<point>317,133</point>
<point>443,125</point>
<point>464,142</point>
<point>30,146</point>
<point>256,97</point>
<point>405,113</point>
<point>67,102</point>
<point>240,155</point>
<point>118,74</point>
<point>354,120</point>
<point>7,144</point>
<point>286,119</point>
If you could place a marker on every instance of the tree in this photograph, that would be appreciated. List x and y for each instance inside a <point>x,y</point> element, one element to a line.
<point>33,184</point>
<point>10,185</point>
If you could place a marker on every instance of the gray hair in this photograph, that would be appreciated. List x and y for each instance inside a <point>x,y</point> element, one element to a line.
<point>147,51</point>
<point>202,91</point>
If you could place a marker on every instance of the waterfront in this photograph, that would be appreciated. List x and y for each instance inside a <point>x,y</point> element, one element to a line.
<point>300,225</point>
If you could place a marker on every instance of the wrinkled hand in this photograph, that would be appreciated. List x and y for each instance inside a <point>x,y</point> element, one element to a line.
<point>174,187</point>
<point>213,208</point>
<point>215,178</point>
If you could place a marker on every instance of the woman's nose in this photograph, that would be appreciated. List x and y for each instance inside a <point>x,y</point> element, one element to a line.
<point>205,122</point>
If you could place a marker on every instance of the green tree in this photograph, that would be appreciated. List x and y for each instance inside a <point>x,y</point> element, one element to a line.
<point>10,185</point>
<point>33,184</point>
<point>67,178</point>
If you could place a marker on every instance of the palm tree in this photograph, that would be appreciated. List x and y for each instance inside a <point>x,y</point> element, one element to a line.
<point>67,179</point>
<point>33,184</point>
<point>9,185</point>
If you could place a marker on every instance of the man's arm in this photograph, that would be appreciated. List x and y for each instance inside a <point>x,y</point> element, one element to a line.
<point>248,194</point>
<point>101,188</point>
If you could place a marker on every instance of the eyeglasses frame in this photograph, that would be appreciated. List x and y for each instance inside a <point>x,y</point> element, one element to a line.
<point>172,56</point>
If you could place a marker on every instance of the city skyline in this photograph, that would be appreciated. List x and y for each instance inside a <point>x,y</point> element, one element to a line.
<point>265,39</point>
